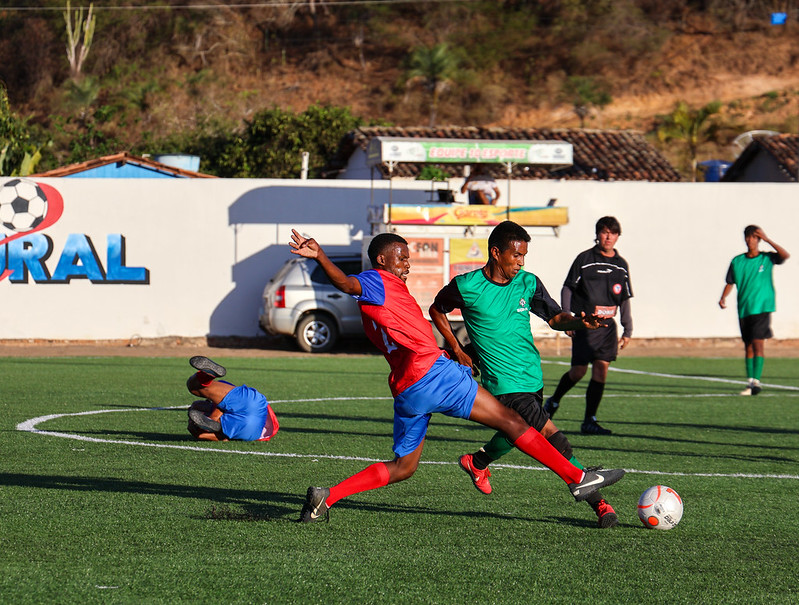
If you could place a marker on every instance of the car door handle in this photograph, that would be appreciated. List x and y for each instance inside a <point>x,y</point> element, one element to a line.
<point>336,295</point>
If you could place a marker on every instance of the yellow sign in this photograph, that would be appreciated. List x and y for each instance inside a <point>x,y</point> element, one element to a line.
<point>444,214</point>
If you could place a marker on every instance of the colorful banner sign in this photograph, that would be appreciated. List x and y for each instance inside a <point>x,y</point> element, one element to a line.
<point>441,214</point>
<point>468,151</point>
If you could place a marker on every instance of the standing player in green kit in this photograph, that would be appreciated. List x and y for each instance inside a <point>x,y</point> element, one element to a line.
<point>752,274</point>
<point>496,302</point>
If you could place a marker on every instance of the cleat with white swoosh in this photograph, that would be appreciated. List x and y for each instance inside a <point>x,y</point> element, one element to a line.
<point>315,508</point>
<point>595,478</point>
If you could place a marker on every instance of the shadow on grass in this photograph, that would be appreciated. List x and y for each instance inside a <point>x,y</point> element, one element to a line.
<point>244,505</point>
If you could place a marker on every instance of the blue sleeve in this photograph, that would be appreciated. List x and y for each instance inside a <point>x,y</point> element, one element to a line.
<point>372,289</point>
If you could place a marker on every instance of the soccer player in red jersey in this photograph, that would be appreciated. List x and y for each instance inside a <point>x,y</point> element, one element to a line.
<point>422,379</point>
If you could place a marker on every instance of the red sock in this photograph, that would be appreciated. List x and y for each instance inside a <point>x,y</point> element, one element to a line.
<point>372,477</point>
<point>205,379</point>
<point>534,444</point>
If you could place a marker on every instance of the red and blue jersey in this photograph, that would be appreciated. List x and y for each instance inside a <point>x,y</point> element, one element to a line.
<point>393,321</point>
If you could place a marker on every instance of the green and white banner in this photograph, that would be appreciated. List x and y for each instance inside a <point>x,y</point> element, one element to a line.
<point>467,151</point>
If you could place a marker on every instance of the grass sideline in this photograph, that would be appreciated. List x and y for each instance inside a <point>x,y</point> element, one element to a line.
<point>131,510</point>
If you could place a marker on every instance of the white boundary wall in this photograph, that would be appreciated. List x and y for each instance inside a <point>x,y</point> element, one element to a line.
<point>209,247</point>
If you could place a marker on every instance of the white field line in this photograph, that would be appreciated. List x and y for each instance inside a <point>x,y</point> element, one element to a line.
<point>683,376</point>
<point>30,426</point>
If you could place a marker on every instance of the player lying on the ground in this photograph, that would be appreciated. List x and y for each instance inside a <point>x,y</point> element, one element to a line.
<point>226,411</point>
<point>422,379</point>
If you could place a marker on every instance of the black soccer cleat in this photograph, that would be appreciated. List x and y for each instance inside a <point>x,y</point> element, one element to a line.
<point>550,407</point>
<point>595,479</point>
<point>315,508</point>
<point>591,427</point>
<point>203,364</point>
<point>204,422</point>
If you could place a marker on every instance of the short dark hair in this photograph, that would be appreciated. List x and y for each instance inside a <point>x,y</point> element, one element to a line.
<point>610,223</point>
<point>380,242</point>
<point>505,233</point>
<point>750,230</point>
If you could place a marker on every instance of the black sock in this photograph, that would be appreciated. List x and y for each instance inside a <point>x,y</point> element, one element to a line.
<point>481,460</point>
<point>593,395</point>
<point>594,500</point>
<point>565,384</point>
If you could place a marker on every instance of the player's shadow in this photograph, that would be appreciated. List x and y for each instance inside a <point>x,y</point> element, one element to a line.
<point>236,505</point>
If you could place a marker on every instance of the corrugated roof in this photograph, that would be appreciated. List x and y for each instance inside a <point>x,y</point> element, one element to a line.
<point>124,158</point>
<point>606,155</point>
<point>782,148</point>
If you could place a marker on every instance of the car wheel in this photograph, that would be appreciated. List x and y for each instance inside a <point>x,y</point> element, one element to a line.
<point>316,333</point>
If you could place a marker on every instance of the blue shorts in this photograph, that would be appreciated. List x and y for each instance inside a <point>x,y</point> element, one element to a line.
<point>244,413</point>
<point>448,388</point>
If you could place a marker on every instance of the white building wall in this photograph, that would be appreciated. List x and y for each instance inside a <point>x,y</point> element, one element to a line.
<point>210,246</point>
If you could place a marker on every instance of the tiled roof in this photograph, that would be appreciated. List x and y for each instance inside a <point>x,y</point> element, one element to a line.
<point>782,148</point>
<point>123,157</point>
<point>605,155</point>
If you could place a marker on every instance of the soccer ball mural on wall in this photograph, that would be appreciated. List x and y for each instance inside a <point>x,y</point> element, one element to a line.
<point>23,205</point>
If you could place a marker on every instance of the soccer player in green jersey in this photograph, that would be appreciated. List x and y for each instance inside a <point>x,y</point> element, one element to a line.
<point>496,302</point>
<point>752,274</point>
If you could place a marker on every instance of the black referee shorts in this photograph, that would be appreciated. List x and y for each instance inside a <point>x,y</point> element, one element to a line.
<point>590,345</point>
<point>529,407</point>
<point>755,327</point>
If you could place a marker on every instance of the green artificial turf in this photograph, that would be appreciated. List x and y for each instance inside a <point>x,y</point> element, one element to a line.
<point>120,505</point>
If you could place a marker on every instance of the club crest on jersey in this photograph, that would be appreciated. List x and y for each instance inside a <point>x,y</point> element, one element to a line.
<point>522,306</point>
<point>617,288</point>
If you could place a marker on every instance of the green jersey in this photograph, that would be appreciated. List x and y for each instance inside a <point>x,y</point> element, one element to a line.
<point>497,317</point>
<point>753,279</point>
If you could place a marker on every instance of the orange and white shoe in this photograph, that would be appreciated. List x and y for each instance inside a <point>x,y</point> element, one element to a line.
<point>479,476</point>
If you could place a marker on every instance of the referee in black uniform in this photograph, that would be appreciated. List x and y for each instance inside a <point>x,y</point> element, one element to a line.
<point>598,283</point>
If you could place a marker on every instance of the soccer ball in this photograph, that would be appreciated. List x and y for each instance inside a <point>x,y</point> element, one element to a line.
<point>660,507</point>
<point>23,205</point>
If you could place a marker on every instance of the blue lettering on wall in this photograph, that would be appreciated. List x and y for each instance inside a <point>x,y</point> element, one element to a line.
<point>26,258</point>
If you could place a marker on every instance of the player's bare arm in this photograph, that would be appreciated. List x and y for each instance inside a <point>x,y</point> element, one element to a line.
<point>310,248</point>
<point>724,294</point>
<point>566,322</point>
<point>782,252</point>
<point>441,322</point>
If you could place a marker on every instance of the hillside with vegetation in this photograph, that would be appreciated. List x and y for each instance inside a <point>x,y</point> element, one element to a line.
<point>247,87</point>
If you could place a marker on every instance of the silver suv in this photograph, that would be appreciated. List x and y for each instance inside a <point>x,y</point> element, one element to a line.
<point>300,301</point>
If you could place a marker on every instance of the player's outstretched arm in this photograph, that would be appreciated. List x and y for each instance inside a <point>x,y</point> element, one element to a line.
<point>566,322</point>
<point>310,248</point>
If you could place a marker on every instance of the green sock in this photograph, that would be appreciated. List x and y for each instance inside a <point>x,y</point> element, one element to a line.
<point>498,446</point>
<point>757,367</point>
<point>576,463</point>
<point>750,367</point>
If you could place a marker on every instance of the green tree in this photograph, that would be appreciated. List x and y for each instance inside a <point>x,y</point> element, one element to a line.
<point>78,46</point>
<point>19,155</point>
<point>692,127</point>
<point>270,145</point>
<point>583,92</point>
<point>434,69</point>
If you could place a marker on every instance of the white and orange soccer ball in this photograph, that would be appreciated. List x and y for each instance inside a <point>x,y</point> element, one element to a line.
<point>660,507</point>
